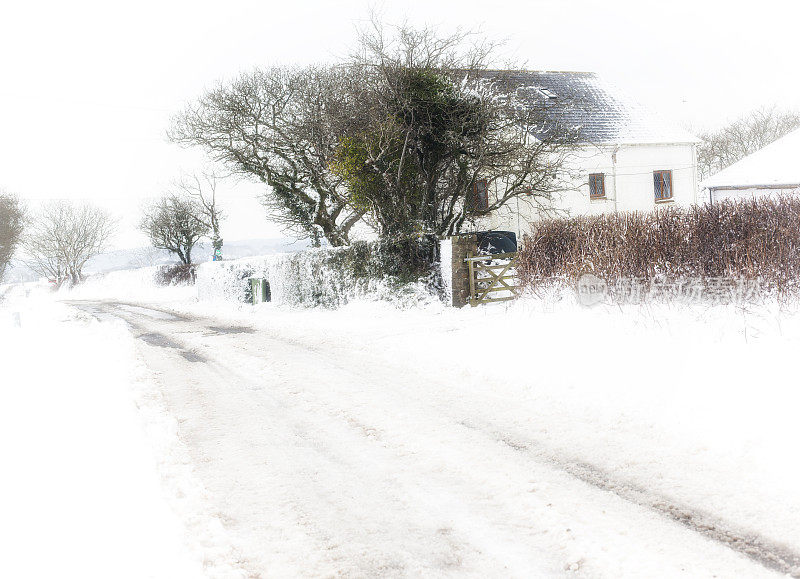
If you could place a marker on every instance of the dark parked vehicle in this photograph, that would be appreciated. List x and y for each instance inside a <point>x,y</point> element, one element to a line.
<point>492,242</point>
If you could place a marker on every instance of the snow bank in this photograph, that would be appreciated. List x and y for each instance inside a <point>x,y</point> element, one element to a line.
<point>133,284</point>
<point>446,259</point>
<point>81,495</point>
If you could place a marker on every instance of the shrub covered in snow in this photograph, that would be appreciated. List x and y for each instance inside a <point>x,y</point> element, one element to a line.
<point>404,271</point>
<point>175,274</point>
<point>757,239</point>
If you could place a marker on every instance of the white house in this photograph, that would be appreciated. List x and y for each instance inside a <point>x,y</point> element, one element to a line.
<point>773,170</point>
<point>625,158</point>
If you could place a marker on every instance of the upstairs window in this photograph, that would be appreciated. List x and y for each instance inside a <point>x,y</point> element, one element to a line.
<point>662,185</point>
<point>597,186</point>
<point>480,195</point>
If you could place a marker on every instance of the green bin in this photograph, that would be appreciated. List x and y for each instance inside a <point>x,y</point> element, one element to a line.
<point>259,289</point>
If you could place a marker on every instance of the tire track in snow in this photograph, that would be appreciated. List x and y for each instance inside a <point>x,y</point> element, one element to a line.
<point>140,331</point>
<point>305,435</point>
<point>766,552</point>
<point>770,554</point>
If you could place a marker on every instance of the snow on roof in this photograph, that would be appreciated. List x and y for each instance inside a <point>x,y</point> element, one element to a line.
<point>776,164</point>
<point>602,112</point>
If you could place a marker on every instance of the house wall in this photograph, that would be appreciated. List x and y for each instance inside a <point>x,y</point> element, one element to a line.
<point>628,173</point>
<point>747,193</point>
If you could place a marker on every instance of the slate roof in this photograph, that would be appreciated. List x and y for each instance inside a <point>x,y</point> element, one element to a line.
<point>602,113</point>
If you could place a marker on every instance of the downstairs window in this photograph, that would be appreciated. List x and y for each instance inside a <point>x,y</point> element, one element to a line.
<point>662,185</point>
<point>597,186</point>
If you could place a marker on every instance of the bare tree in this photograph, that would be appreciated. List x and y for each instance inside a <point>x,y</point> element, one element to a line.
<point>742,137</point>
<point>434,124</point>
<point>63,236</point>
<point>12,221</point>
<point>175,223</point>
<point>402,133</point>
<point>277,125</point>
<point>203,189</point>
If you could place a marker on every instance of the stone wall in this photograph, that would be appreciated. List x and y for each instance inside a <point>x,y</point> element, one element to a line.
<point>461,246</point>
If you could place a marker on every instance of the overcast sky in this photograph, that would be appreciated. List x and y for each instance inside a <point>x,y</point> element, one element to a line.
<point>87,88</point>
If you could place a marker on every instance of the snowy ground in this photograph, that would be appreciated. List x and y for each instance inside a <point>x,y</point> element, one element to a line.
<point>81,496</point>
<point>540,439</point>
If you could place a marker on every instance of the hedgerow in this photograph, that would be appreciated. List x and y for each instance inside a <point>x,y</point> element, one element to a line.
<point>403,270</point>
<point>755,239</point>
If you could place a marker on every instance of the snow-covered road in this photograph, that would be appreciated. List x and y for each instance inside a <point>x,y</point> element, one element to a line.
<point>323,460</point>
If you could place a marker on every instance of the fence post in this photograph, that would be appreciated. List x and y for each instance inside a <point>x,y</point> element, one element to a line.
<point>471,270</point>
<point>460,272</point>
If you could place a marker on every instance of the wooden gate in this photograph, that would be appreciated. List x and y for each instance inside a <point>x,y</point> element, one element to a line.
<point>487,277</point>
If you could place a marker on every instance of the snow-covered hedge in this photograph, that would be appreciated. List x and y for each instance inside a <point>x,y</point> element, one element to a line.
<point>405,271</point>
